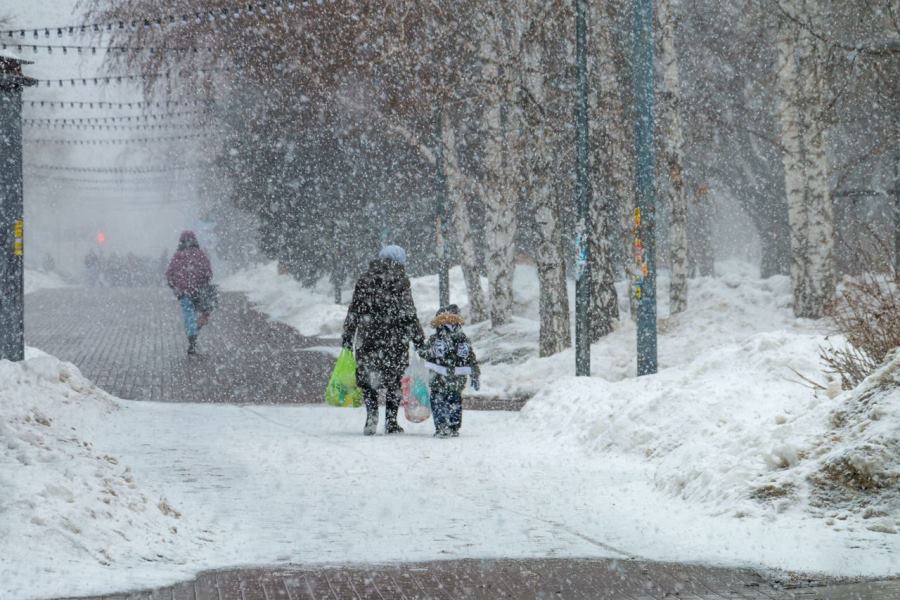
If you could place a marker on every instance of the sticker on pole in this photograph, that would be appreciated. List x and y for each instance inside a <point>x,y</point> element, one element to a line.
<point>19,246</point>
<point>581,255</point>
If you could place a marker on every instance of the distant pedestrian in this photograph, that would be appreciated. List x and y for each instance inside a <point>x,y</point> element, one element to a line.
<point>449,354</point>
<point>382,318</point>
<point>189,275</point>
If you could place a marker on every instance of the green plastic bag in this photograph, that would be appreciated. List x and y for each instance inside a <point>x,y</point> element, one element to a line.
<point>342,389</point>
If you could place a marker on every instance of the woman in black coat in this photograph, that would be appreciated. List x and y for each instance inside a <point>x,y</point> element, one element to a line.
<point>383,318</point>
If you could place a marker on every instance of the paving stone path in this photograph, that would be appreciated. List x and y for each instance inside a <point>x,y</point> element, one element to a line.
<point>514,579</point>
<point>131,343</point>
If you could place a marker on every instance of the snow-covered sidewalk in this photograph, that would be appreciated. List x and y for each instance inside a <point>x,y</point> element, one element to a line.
<point>269,485</point>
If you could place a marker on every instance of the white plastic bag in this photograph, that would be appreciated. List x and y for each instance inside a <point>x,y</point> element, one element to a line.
<point>416,395</point>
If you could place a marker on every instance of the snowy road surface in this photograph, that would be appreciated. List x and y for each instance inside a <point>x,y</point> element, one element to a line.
<point>275,485</point>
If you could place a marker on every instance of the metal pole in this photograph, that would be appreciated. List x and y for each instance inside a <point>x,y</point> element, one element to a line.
<point>337,263</point>
<point>583,224</point>
<point>644,213</point>
<point>440,217</point>
<point>896,193</point>
<point>12,301</point>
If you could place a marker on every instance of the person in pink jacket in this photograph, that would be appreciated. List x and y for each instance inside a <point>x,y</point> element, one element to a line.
<point>189,275</point>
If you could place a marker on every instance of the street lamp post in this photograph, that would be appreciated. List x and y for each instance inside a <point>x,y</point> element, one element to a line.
<point>12,237</point>
<point>583,224</point>
<point>644,212</point>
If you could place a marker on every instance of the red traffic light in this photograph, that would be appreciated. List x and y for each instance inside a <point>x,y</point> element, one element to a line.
<point>101,237</point>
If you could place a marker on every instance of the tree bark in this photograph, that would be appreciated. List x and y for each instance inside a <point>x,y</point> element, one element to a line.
<point>459,192</point>
<point>555,329</point>
<point>502,153</point>
<point>609,170</point>
<point>500,198</point>
<point>540,138</point>
<point>672,138</point>
<point>801,87</point>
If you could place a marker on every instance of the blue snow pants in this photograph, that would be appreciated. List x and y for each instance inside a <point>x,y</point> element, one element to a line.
<point>446,409</point>
<point>189,314</point>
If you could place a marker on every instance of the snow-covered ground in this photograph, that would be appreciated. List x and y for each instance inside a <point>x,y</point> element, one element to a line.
<point>270,485</point>
<point>40,280</point>
<point>724,457</point>
<point>311,311</point>
<point>732,434</point>
<point>724,309</point>
<point>72,511</point>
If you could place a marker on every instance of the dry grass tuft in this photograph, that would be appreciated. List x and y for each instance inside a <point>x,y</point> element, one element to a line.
<point>867,313</point>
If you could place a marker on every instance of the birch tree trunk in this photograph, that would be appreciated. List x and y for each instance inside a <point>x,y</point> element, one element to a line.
<point>792,158</point>
<point>555,330</point>
<point>459,191</point>
<point>500,198</point>
<point>502,153</point>
<point>802,88</point>
<point>672,137</point>
<point>820,259</point>
<point>609,171</point>
<point>540,138</point>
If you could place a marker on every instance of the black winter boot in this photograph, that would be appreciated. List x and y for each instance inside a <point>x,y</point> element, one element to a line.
<point>390,417</point>
<point>392,427</point>
<point>192,344</point>
<point>370,398</point>
<point>371,421</point>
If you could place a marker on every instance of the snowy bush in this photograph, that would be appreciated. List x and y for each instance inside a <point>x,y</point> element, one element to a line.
<point>867,313</point>
<point>858,460</point>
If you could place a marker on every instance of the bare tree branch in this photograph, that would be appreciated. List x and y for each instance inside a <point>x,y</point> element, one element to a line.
<point>879,48</point>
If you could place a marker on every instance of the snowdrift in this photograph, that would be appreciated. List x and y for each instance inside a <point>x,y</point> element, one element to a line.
<point>58,491</point>
<point>722,310</point>
<point>311,311</point>
<point>854,467</point>
<point>735,431</point>
<point>40,280</point>
<point>713,429</point>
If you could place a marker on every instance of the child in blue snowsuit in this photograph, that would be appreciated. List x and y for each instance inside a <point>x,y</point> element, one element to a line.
<point>449,355</point>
